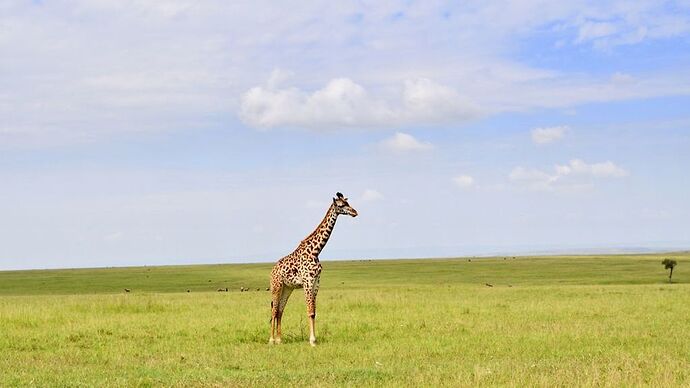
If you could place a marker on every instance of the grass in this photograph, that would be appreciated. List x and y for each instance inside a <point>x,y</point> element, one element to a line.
<point>547,321</point>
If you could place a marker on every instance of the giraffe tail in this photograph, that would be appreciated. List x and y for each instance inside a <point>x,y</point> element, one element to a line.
<point>270,320</point>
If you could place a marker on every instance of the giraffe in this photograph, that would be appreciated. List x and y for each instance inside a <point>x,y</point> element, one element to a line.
<point>301,269</point>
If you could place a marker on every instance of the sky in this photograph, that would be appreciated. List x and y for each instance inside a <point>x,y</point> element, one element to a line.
<point>173,132</point>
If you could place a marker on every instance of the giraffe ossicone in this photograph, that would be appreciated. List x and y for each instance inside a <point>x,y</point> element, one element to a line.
<point>301,269</point>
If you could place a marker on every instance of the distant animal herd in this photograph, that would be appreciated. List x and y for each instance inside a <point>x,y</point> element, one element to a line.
<point>225,289</point>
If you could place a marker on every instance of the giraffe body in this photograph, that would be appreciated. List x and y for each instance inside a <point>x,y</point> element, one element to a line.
<point>302,269</point>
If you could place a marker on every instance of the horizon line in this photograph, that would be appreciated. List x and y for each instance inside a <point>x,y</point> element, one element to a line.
<point>546,253</point>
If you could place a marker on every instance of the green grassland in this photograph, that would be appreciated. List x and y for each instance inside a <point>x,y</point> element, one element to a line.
<point>546,321</point>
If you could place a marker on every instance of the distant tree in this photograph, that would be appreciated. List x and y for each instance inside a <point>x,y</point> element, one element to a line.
<point>669,264</point>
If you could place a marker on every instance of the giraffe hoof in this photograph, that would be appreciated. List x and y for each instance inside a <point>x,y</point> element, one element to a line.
<point>277,341</point>
<point>312,342</point>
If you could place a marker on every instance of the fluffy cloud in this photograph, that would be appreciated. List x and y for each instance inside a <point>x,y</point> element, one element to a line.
<point>532,178</point>
<point>599,170</point>
<point>343,103</point>
<point>402,142</point>
<point>576,174</point>
<point>102,69</point>
<point>521,174</point>
<point>464,181</point>
<point>628,23</point>
<point>371,195</point>
<point>427,102</point>
<point>548,135</point>
<point>594,30</point>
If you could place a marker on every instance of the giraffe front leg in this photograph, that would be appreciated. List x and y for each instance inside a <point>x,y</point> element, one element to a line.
<point>310,296</point>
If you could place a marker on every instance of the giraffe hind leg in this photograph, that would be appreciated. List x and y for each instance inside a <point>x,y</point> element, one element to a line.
<point>276,291</point>
<point>284,296</point>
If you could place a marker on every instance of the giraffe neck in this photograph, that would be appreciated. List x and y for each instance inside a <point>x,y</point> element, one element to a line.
<point>313,244</point>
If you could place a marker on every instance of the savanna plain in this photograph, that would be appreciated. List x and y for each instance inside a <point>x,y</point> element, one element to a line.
<point>605,320</point>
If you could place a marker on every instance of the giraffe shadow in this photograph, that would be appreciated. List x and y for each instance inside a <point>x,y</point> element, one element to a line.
<point>256,336</point>
<point>301,338</point>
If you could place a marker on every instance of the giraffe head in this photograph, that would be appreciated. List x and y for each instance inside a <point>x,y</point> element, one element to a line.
<point>342,207</point>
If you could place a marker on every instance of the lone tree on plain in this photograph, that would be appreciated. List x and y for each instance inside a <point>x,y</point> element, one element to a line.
<point>669,264</point>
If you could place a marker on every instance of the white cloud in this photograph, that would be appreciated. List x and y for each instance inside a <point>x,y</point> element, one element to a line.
<point>402,142</point>
<point>521,174</point>
<point>342,103</point>
<point>532,178</point>
<point>109,75</point>
<point>599,170</point>
<point>594,30</point>
<point>548,135</point>
<point>371,195</point>
<point>278,77</point>
<point>427,102</point>
<point>464,181</point>
<point>607,25</point>
<point>576,174</point>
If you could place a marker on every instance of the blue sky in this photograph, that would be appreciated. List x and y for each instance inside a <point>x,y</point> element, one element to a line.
<point>138,132</point>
